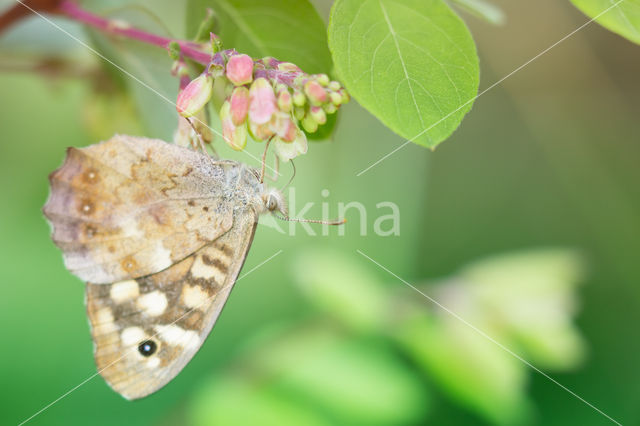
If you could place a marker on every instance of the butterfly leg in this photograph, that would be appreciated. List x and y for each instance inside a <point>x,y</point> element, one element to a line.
<point>264,158</point>
<point>201,143</point>
<point>276,170</point>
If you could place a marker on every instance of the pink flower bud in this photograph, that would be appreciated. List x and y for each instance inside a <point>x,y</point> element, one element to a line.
<point>315,92</point>
<point>318,114</point>
<point>195,96</point>
<point>239,101</point>
<point>285,103</point>
<point>284,127</point>
<point>235,136</point>
<point>289,150</point>
<point>262,101</point>
<point>261,132</point>
<point>240,69</point>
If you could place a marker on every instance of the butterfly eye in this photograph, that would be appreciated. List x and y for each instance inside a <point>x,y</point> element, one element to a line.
<point>271,203</point>
<point>147,348</point>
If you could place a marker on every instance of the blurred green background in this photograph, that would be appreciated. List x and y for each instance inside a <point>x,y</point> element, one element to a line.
<point>525,223</point>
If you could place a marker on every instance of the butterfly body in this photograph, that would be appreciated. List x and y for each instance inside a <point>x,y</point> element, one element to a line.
<point>159,233</point>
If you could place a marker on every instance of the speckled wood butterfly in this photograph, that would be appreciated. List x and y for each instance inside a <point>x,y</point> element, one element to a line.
<point>159,233</point>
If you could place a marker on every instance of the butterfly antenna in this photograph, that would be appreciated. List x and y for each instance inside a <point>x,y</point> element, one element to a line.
<point>322,222</point>
<point>292,176</point>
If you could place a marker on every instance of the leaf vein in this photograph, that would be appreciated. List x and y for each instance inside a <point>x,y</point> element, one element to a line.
<point>404,67</point>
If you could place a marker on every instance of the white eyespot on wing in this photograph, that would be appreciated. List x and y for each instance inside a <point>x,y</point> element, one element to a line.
<point>105,323</point>
<point>175,335</point>
<point>153,362</point>
<point>202,270</point>
<point>131,228</point>
<point>194,297</point>
<point>124,290</point>
<point>132,336</point>
<point>161,257</point>
<point>152,304</point>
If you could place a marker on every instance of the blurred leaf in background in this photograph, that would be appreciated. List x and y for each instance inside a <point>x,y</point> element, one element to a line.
<point>483,10</point>
<point>312,374</point>
<point>524,302</point>
<point>624,20</point>
<point>330,370</point>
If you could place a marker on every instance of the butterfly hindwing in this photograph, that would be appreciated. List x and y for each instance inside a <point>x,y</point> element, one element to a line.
<point>169,313</point>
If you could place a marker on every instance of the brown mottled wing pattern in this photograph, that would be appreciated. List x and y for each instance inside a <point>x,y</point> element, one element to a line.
<point>171,312</point>
<point>130,207</point>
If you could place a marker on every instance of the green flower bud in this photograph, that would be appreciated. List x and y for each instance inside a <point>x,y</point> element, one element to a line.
<point>334,86</point>
<point>174,50</point>
<point>335,98</point>
<point>309,124</point>
<point>298,113</point>
<point>345,96</point>
<point>288,67</point>
<point>323,79</point>
<point>329,108</point>
<point>318,114</point>
<point>298,98</point>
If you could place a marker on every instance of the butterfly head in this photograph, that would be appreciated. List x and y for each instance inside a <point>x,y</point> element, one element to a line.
<point>274,201</point>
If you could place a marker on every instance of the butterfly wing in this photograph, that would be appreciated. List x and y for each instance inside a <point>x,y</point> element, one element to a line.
<point>172,311</point>
<point>130,207</point>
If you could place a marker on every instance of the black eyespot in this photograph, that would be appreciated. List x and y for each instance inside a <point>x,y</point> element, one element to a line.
<point>147,348</point>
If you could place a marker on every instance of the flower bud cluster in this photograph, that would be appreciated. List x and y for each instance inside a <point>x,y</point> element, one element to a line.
<point>266,99</point>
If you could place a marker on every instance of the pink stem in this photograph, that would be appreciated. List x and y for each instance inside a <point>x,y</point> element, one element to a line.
<point>70,9</point>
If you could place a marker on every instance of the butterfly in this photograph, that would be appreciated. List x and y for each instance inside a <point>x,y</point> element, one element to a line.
<point>159,233</point>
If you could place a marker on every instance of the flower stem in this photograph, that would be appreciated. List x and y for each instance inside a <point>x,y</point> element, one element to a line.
<point>72,10</point>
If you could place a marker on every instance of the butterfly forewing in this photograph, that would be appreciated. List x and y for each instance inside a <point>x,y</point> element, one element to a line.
<point>145,330</point>
<point>130,207</point>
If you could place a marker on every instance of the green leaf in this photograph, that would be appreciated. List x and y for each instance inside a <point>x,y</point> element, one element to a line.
<point>313,375</point>
<point>412,64</point>
<point>358,383</point>
<point>622,19</point>
<point>514,288</point>
<point>289,30</point>
<point>473,371</point>
<point>482,9</point>
<point>225,402</point>
<point>344,289</point>
<point>150,84</point>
